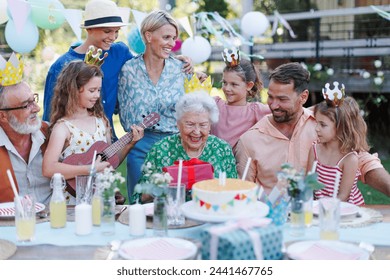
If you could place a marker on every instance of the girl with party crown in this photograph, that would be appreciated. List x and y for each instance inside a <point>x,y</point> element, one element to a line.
<point>78,120</point>
<point>240,82</point>
<point>341,134</point>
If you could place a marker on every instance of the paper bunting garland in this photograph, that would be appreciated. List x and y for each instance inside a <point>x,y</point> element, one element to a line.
<point>230,203</point>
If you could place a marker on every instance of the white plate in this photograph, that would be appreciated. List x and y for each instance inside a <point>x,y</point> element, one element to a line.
<point>7,209</point>
<point>149,208</point>
<point>346,209</point>
<point>189,211</point>
<point>326,250</point>
<point>158,248</point>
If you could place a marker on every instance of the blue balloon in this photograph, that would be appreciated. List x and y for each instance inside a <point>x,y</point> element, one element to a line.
<point>26,40</point>
<point>135,41</point>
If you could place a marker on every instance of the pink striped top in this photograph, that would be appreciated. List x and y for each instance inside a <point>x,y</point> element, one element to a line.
<point>327,176</point>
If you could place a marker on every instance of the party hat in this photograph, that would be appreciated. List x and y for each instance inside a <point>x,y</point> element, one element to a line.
<point>231,57</point>
<point>334,97</point>
<point>194,84</point>
<point>94,59</point>
<point>11,71</point>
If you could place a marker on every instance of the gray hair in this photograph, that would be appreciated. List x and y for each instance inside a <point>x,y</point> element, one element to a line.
<point>3,92</point>
<point>197,102</point>
<point>156,20</point>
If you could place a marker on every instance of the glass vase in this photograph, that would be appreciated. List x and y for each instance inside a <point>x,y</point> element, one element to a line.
<point>107,221</point>
<point>297,216</point>
<point>160,225</point>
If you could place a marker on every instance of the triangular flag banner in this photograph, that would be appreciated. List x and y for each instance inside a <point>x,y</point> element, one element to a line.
<point>201,203</point>
<point>208,205</point>
<point>20,11</point>
<point>185,23</point>
<point>223,207</point>
<point>231,203</point>
<point>237,197</point>
<point>243,196</point>
<point>215,208</point>
<point>74,18</point>
<point>125,15</point>
<point>138,17</point>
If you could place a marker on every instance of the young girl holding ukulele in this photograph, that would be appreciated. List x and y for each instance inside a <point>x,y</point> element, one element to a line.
<point>78,121</point>
<point>240,81</point>
<point>341,134</point>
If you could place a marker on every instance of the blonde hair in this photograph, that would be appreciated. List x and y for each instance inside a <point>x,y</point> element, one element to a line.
<point>72,78</point>
<point>156,20</point>
<point>351,129</point>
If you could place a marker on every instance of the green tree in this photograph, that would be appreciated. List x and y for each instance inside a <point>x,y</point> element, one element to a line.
<point>219,6</point>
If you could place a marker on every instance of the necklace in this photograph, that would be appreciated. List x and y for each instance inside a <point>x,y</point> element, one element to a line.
<point>198,155</point>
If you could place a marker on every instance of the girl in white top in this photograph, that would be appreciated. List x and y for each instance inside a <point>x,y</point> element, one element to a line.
<point>78,121</point>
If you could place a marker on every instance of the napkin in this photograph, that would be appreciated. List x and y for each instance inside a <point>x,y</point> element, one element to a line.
<point>318,251</point>
<point>159,249</point>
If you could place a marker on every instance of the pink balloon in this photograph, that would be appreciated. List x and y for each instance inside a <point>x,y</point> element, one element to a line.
<point>177,45</point>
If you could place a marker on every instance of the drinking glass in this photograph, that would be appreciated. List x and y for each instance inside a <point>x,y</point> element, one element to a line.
<point>25,218</point>
<point>81,188</point>
<point>174,214</point>
<point>329,214</point>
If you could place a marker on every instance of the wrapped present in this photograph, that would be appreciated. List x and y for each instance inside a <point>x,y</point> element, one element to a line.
<point>247,239</point>
<point>278,202</point>
<point>194,170</point>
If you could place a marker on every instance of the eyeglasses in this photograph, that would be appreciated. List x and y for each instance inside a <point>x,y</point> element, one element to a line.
<point>29,105</point>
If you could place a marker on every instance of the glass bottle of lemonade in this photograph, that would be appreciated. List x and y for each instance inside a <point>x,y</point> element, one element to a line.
<point>96,207</point>
<point>57,202</point>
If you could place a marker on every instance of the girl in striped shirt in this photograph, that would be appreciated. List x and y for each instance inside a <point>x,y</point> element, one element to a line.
<point>341,134</point>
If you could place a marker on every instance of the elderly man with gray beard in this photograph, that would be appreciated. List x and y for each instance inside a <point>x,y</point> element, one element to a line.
<point>22,143</point>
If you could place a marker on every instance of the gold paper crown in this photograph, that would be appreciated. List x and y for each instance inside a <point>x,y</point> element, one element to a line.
<point>231,57</point>
<point>334,97</point>
<point>94,59</point>
<point>11,71</point>
<point>194,84</point>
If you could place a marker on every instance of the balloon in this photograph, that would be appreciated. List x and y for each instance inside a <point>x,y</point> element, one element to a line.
<point>254,23</point>
<point>197,48</point>
<point>3,11</point>
<point>47,14</point>
<point>177,45</point>
<point>135,41</point>
<point>25,41</point>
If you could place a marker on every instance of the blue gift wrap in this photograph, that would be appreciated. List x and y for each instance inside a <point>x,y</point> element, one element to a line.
<point>236,243</point>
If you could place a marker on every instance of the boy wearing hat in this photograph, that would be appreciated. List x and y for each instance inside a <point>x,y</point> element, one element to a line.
<point>102,23</point>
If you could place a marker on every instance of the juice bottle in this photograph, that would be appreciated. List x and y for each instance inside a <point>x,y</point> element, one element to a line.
<point>96,209</point>
<point>57,202</point>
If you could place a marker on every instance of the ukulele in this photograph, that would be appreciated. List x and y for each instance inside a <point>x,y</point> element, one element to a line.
<point>106,151</point>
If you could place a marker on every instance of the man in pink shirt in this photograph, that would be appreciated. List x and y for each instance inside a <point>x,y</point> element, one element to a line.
<point>287,134</point>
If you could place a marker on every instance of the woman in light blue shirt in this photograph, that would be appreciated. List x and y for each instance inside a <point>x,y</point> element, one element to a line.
<point>151,82</point>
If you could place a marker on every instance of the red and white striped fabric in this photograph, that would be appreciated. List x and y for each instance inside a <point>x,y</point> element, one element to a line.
<point>327,176</point>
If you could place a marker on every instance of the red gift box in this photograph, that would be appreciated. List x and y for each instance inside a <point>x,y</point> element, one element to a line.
<point>194,170</point>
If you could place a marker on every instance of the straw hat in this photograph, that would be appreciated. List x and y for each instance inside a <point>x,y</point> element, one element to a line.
<point>101,13</point>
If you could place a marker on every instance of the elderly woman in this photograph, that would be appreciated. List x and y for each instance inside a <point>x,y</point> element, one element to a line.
<point>195,112</point>
<point>151,82</point>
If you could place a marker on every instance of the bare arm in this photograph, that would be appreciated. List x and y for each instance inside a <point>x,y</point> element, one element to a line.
<point>51,163</point>
<point>138,133</point>
<point>379,179</point>
<point>349,166</point>
<point>310,161</point>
